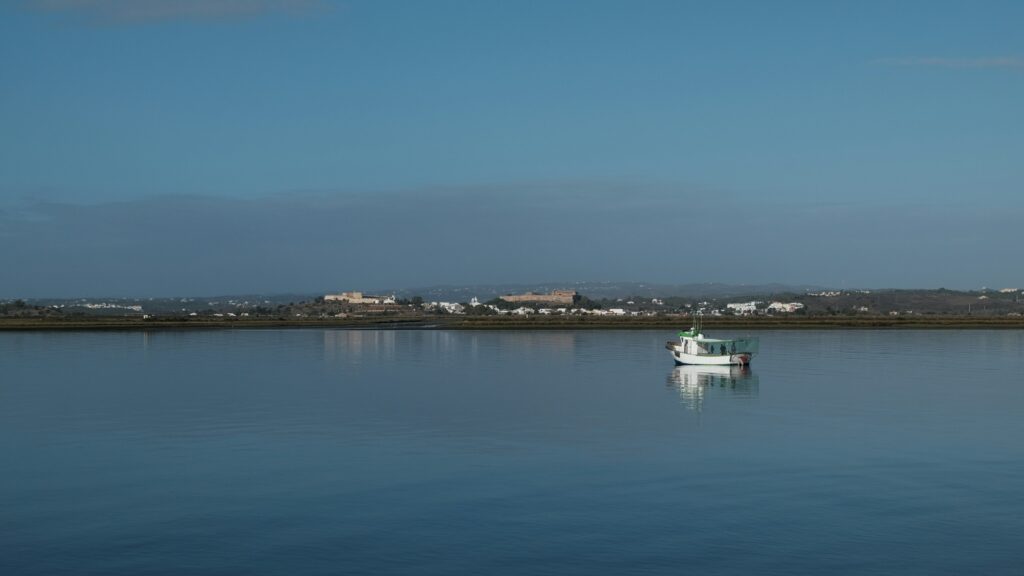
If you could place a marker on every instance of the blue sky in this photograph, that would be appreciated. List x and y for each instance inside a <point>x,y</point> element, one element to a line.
<point>159,147</point>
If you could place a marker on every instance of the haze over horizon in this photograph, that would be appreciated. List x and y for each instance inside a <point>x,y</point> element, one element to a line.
<point>176,147</point>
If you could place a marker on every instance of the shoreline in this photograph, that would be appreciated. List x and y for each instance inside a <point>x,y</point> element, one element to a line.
<point>507,323</point>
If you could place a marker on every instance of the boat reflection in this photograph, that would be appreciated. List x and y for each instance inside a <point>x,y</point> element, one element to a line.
<point>695,383</point>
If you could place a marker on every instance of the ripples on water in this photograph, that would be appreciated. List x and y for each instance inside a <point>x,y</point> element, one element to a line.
<point>434,452</point>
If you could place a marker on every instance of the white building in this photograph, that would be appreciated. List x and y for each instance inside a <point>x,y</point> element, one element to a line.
<point>785,306</point>
<point>449,307</point>
<point>359,298</point>
<point>743,307</point>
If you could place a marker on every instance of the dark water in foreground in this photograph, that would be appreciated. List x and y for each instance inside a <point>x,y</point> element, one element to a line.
<point>363,452</point>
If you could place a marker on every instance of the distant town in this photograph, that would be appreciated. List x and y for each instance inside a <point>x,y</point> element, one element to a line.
<point>560,302</point>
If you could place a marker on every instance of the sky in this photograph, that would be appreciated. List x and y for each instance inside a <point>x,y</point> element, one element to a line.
<point>188,147</point>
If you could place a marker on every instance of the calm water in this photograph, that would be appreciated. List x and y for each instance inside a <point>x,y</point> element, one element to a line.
<point>366,452</point>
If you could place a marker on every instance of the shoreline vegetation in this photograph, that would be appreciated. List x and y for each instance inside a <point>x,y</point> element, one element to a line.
<point>666,322</point>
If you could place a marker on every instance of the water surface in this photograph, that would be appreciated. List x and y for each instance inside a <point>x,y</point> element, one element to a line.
<point>438,452</point>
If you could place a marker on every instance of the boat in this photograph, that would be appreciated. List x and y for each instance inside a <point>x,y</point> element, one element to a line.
<point>695,348</point>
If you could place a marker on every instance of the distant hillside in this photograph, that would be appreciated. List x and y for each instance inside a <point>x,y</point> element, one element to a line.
<point>637,297</point>
<point>601,290</point>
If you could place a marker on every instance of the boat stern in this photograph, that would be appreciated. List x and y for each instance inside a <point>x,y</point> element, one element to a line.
<point>740,359</point>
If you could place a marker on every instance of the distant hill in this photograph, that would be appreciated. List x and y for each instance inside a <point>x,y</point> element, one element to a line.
<point>599,290</point>
<point>636,296</point>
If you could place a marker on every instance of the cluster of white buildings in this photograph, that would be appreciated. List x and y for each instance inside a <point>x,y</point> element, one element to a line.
<point>449,307</point>
<point>108,306</point>
<point>527,311</point>
<point>743,307</point>
<point>755,307</point>
<point>787,307</point>
<point>737,308</point>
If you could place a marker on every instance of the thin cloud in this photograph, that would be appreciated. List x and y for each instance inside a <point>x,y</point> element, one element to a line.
<point>1014,62</point>
<point>154,11</point>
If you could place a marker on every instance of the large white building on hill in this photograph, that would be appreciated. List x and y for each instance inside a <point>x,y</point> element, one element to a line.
<point>358,298</point>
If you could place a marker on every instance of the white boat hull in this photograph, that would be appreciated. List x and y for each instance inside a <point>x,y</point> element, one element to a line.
<point>682,358</point>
